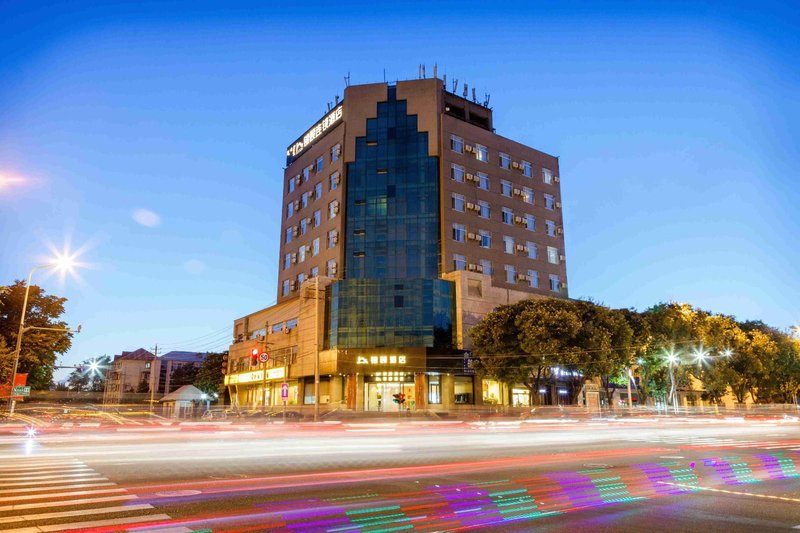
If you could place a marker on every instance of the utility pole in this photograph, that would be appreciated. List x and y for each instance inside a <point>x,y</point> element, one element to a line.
<point>153,381</point>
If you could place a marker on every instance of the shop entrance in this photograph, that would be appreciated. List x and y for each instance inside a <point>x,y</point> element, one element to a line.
<point>380,396</point>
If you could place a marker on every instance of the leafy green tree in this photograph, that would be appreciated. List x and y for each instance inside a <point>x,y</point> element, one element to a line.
<point>87,379</point>
<point>39,348</point>
<point>183,375</point>
<point>210,378</point>
<point>143,386</point>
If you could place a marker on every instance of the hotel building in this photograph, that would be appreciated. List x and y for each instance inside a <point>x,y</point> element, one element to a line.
<point>405,220</point>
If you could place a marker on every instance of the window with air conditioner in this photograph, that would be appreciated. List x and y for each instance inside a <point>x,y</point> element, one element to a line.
<point>551,227</point>
<point>527,195</point>
<point>483,180</point>
<point>318,191</point>
<point>289,209</point>
<point>457,144</point>
<point>486,239</point>
<point>508,244</point>
<point>459,262</point>
<point>314,272</point>
<point>315,247</point>
<point>307,173</point>
<point>458,202</point>
<point>552,255</point>
<point>285,287</point>
<point>531,250</point>
<point>555,283</point>
<point>301,254</point>
<point>333,209</point>
<point>485,210</point>
<point>508,216</point>
<point>304,200</point>
<point>506,188</point>
<point>317,218</point>
<point>320,162</point>
<point>511,274</point>
<point>333,238</point>
<point>527,170</point>
<point>481,153</point>
<point>530,222</point>
<point>330,268</point>
<point>288,235</point>
<point>505,161</point>
<point>291,184</point>
<point>486,266</point>
<point>549,201</point>
<point>533,279</point>
<point>457,172</point>
<point>333,181</point>
<point>336,151</point>
<point>287,261</point>
<point>547,176</point>
<point>303,226</point>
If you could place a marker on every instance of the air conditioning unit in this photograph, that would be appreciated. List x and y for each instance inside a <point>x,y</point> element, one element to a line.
<point>517,192</point>
<point>562,257</point>
<point>470,205</point>
<point>516,165</point>
<point>295,231</point>
<point>309,220</point>
<point>479,268</point>
<point>336,209</point>
<point>336,180</point>
<point>469,148</point>
<point>334,268</point>
<point>293,285</point>
<point>470,176</point>
<point>523,277</point>
<point>296,205</point>
<point>520,248</point>
<point>519,220</point>
<point>558,205</point>
<point>294,258</point>
<point>556,179</point>
<point>472,267</point>
<point>471,236</point>
<point>476,207</point>
<point>563,284</point>
<point>335,239</point>
<point>560,231</point>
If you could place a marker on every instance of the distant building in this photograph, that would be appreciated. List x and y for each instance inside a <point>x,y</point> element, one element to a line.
<point>134,374</point>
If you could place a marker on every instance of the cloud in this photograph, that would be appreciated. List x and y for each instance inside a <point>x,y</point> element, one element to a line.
<point>194,266</point>
<point>145,217</point>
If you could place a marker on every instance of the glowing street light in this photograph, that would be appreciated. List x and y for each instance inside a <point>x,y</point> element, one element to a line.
<point>727,353</point>
<point>700,355</point>
<point>673,358</point>
<point>63,262</point>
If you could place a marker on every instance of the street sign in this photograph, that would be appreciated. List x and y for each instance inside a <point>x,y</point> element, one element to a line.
<point>284,391</point>
<point>264,357</point>
<point>21,391</point>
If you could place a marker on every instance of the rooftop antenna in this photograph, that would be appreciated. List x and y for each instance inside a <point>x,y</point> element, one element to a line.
<point>347,80</point>
<point>466,90</point>
<point>444,82</point>
<point>474,99</point>
<point>486,97</point>
<point>434,70</point>
<point>423,71</point>
<point>455,86</point>
<point>337,99</point>
<point>384,75</point>
<point>419,71</point>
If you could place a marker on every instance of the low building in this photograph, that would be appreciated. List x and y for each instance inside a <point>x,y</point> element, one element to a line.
<point>138,375</point>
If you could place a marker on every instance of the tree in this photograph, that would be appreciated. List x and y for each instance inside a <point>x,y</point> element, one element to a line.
<point>210,378</point>
<point>183,375</point>
<point>143,386</point>
<point>89,379</point>
<point>39,348</point>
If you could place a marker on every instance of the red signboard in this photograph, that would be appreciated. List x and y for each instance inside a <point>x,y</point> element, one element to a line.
<point>20,380</point>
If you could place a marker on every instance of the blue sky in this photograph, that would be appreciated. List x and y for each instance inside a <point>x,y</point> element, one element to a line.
<point>676,124</point>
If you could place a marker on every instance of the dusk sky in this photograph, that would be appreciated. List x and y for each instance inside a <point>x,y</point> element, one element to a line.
<point>153,136</point>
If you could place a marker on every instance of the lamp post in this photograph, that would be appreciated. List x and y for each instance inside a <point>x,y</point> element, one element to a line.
<point>673,358</point>
<point>64,263</point>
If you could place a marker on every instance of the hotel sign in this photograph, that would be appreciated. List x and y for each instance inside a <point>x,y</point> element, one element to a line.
<point>258,375</point>
<point>381,360</point>
<point>314,133</point>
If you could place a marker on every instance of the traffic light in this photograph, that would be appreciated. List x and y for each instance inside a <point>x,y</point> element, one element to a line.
<point>399,398</point>
<point>254,356</point>
<point>224,363</point>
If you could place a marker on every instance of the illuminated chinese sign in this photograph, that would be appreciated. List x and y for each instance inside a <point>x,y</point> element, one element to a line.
<point>258,375</point>
<point>313,133</point>
<point>381,360</point>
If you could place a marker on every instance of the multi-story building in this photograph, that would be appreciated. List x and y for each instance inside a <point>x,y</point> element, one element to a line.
<point>134,374</point>
<point>405,220</point>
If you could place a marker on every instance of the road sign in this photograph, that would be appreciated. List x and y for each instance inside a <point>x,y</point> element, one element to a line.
<point>21,391</point>
<point>263,357</point>
<point>284,391</point>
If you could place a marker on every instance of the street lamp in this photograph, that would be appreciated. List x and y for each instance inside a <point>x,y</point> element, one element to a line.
<point>700,355</point>
<point>673,358</point>
<point>64,263</point>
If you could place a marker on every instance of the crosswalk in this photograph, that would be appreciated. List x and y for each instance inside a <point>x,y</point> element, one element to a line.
<point>39,494</point>
<point>714,442</point>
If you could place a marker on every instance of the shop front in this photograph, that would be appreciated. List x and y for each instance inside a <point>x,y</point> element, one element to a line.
<point>381,388</point>
<point>253,389</point>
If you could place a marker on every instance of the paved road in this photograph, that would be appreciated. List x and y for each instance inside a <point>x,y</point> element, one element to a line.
<point>632,475</point>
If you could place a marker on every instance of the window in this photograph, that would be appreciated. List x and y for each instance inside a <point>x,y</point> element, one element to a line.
<point>307,173</point>
<point>334,180</point>
<point>285,287</point>
<point>288,235</point>
<point>301,254</point>
<point>474,288</point>
<point>333,238</point>
<point>315,272</point>
<point>330,268</point>
<point>551,227</point>
<point>318,191</point>
<point>527,195</point>
<point>317,218</point>
<point>287,261</point>
<point>458,202</point>
<point>304,200</point>
<point>398,300</point>
<point>301,277</point>
<point>458,232</point>
<point>457,172</point>
<point>555,283</point>
<point>289,209</point>
<point>549,201</point>
<point>533,278</point>
<point>459,262</point>
<point>511,274</point>
<point>505,161</point>
<point>508,216</point>
<point>527,171</point>
<point>483,180</point>
<point>486,239</point>
<point>531,250</point>
<point>292,183</point>
<point>530,222</point>
<point>336,151</point>
<point>320,161</point>
<point>547,176</point>
<point>333,209</point>
<point>485,209</point>
<point>487,266</point>
<point>508,244</point>
<point>303,226</point>
<point>315,246</point>
<point>434,389</point>
<point>457,144</point>
<point>552,255</point>
<point>464,389</point>
<point>147,365</point>
<point>505,188</point>
<point>481,153</point>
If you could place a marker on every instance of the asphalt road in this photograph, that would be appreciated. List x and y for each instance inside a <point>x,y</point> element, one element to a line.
<point>638,474</point>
